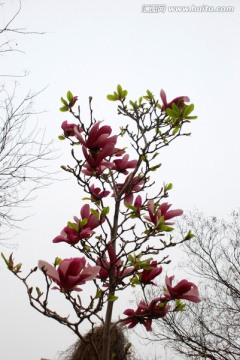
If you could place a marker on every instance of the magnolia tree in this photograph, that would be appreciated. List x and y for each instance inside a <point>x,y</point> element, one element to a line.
<point>121,229</point>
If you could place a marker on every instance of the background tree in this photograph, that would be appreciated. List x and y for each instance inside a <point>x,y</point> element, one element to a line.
<point>209,330</point>
<point>22,146</point>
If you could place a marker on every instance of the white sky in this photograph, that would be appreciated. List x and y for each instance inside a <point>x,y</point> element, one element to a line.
<point>89,47</point>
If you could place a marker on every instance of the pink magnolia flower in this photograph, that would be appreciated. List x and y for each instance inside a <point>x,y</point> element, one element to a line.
<point>183,290</point>
<point>70,273</point>
<point>106,265</point>
<point>68,129</point>
<point>73,236</point>
<point>145,314</point>
<point>137,317</point>
<point>146,276</point>
<point>162,211</point>
<point>96,171</point>
<point>98,138</point>
<point>179,101</point>
<point>121,165</point>
<point>135,185</point>
<point>95,159</point>
<point>138,204</point>
<point>97,194</point>
<point>77,231</point>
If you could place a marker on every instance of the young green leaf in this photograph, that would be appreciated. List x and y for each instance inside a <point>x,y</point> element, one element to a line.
<point>69,96</point>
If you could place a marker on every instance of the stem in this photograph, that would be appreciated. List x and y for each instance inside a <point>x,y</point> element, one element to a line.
<point>108,317</point>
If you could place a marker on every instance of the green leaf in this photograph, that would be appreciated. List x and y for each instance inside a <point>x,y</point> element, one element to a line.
<point>133,104</point>
<point>57,261</point>
<point>134,280</point>
<point>95,212</point>
<point>124,93</point>
<point>176,129</point>
<point>112,298</point>
<point>72,225</point>
<point>61,137</point>
<point>5,260</point>
<point>64,101</point>
<point>105,211</point>
<point>154,168</point>
<point>129,206</point>
<point>191,117</point>
<point>145,266</point>
<point>174,114</point>
<point>187,110</point>
<point>189,235</point>
<point>63,108</point>
<point>168,187</point>
<point>119,91</point>
<point>155,155</point>
<point>175,109</point>
<point>39,292</point>
<point>69,96</point>
<point>112,97</point>
<point>82,223</point>
<point>179,305</point>
<point>164,227</point>
<point>98,294</point>
<point>149,95</point>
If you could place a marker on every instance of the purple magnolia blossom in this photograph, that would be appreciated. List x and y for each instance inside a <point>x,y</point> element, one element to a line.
<point>95,159</point>
<point>70,273</point>
<point>147,275</point>
<point>75,232</point>
<point>69,129</point>
<point>162,211</point>
<point>97,194</point>
<point>145,313</point>
<point>179,101</point>
<point>106,265</point>
<point>183,290</point>
<point>121,165</point>
<point>98,138</point>
<point>73,236</point>
<point>135,185</point>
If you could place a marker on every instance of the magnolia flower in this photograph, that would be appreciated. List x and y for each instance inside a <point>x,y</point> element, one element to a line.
<point>145,313</point>
<point>80,229</point>
<point>89,170</point>
<point>183,290</point>
<point>162,211</point>
<point>138,204</point>
<point>121,165</point>
<point>98,138</point>
<point>135,185</point>
<point>106,265</point>
<point>97,194</point>
<point>147,275</point>
<point>179,101</point>
<point>96,158</point>
<point>68,129</point>
<point>70,273</point>
<point>137,316</point>
<point>73,236</point>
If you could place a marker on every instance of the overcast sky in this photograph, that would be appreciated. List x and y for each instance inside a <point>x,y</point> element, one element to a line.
<point>89,47</point>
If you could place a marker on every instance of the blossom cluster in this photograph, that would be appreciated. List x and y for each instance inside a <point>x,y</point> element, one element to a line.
<point>101,160</point>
